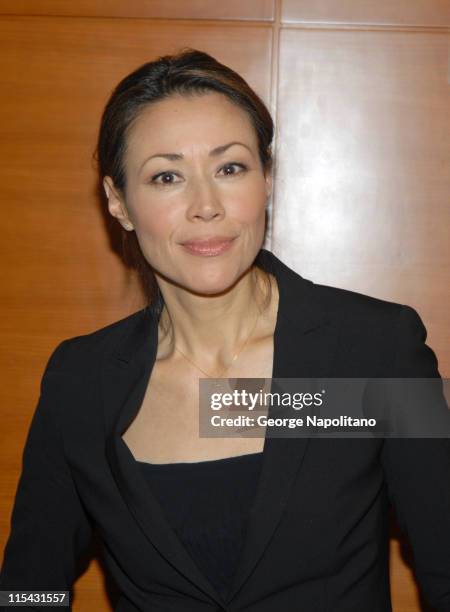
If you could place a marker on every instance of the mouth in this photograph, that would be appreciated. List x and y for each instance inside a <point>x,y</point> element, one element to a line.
<point>209,247</point>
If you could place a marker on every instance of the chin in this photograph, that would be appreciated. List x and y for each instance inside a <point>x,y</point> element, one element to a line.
<point>211,286</point>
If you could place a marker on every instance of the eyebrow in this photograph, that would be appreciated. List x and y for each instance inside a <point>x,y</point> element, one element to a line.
<point>213,153</point>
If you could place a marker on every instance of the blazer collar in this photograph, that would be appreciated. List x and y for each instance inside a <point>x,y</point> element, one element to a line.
<point>305,342</point>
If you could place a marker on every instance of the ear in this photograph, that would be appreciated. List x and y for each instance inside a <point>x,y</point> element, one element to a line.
<point>116,204</point>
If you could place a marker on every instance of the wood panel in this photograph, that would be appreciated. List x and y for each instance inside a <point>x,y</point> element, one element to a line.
<point>60,275</point>
<point>363,166</point>
<point>385,12</point>
<point>261,10</point>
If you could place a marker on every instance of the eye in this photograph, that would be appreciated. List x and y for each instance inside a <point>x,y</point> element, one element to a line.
<point>163,176</point>
<point>230,166</point>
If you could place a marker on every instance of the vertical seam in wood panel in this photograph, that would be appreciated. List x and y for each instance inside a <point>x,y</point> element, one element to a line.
<point>448,60</point>
<point>274,101</point>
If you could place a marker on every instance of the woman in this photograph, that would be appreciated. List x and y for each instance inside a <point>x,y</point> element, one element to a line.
<point>196,524</point>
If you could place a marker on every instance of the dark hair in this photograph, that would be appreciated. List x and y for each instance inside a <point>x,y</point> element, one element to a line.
<point>187,73</point>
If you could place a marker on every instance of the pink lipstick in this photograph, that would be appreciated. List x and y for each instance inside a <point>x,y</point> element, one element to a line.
<point>209,248</point>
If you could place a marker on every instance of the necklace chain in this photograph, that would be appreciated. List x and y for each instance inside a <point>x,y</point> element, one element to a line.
<point>233,359</point>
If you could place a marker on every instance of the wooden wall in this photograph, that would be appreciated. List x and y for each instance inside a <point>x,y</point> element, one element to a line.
<point>360,94</point>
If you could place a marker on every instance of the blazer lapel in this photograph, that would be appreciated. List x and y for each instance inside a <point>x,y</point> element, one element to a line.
<point>124,380</point>
<point>305,342</point>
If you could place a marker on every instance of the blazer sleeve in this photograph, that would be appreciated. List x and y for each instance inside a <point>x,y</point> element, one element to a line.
<point>417,471</point>
<point>49,528</point>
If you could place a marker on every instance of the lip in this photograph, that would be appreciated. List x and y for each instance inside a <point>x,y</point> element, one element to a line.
<point>209,247</point>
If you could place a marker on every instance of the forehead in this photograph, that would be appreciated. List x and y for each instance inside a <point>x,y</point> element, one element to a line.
<point>180,122</point>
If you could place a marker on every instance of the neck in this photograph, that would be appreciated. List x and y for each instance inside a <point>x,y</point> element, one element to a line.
<point>210,329</point>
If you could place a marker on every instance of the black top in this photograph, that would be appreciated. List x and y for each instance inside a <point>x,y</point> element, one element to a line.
<point>206,503</point>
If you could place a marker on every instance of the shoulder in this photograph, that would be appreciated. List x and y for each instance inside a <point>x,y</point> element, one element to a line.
<point>344,305</point>
<point>356,314</point>
<point>85,350</point>
<point>304,296</point>
<point>374,322</point>
<point>361,319</point>
<point>357,307</point>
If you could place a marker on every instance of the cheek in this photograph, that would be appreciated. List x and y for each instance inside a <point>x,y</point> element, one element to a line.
<point>250,206</point>
<point>252,220</point>
<point>154,221</point>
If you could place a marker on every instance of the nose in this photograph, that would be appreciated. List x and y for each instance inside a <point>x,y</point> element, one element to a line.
<point>205,202</point>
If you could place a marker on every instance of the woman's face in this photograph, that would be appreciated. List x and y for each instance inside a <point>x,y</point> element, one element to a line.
<point>186,181</point>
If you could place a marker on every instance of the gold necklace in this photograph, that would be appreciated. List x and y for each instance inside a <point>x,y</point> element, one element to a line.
<point>231,362</point>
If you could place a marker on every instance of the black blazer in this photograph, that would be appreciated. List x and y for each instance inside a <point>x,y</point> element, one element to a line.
<point>318,538</point>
